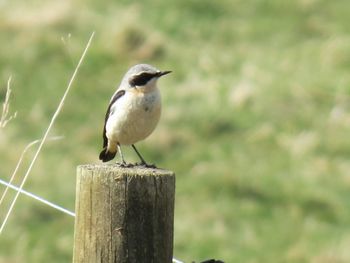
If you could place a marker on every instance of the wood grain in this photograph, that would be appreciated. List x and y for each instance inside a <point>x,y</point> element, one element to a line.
<point>124,214</point>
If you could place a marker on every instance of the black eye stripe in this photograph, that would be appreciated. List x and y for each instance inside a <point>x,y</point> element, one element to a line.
<point>141,79</point>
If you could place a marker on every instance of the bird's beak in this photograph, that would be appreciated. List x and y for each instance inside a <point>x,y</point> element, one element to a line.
<point>162,73</point>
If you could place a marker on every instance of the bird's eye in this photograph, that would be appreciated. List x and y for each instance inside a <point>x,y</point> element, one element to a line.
<point>141,79</point>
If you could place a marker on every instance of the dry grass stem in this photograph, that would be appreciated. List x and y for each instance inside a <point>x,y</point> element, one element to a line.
<point>47,132</point>
<point>19,164</point>
<point>4,118</point>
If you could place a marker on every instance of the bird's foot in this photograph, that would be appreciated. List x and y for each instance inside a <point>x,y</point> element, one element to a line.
<point>144,164</point>
<point>126,165</point>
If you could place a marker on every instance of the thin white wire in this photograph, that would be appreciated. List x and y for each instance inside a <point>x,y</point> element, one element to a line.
<point>16,168</point>
<point>38,198</point>
<point>47,132</point>
<point>46,202</point>
<point>19,164</point>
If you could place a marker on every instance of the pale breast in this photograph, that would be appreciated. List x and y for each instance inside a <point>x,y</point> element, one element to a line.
<point>134,117</point>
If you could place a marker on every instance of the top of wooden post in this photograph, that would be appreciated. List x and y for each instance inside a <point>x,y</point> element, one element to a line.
<point>135,170</point>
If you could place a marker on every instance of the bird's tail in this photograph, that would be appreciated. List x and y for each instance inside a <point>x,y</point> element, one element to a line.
<point>107,155</point>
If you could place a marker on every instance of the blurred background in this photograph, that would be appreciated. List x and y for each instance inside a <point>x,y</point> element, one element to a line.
<point>255,123</point>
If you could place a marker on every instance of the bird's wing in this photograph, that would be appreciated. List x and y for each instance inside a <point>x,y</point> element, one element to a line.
<point>116,96</point>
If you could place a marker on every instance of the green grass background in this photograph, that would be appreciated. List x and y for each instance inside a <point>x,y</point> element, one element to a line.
<point>255,123</point>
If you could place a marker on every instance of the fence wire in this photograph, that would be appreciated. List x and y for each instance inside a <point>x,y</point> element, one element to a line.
<point>50,204</point>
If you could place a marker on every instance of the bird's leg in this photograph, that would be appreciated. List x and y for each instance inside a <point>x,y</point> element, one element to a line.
<point>143,162</point>
<point>123,163</point>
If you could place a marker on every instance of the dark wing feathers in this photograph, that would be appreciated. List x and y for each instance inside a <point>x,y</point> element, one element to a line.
<point>119,94</point>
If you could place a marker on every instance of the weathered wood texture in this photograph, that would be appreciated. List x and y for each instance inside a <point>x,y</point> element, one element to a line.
<point>124,214</point>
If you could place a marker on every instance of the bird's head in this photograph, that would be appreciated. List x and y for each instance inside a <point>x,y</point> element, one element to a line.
<point>142,76</point>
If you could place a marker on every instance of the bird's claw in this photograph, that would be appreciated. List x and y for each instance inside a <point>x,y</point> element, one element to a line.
<point>148,165</point>
<point>126,165</point>
<point>130,165</point>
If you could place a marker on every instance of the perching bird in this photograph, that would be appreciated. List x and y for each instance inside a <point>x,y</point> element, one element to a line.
<point>133,112</point>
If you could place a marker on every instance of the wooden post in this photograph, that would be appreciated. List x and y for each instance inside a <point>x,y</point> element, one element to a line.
<point>123,214</point>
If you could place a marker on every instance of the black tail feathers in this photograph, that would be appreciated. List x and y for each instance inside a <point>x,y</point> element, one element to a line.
<point>106,156</point>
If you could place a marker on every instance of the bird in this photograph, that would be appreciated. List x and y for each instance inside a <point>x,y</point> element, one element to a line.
<point>133,112</point>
